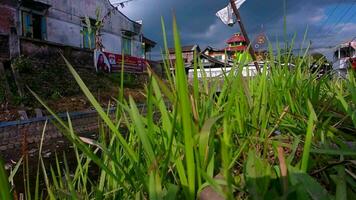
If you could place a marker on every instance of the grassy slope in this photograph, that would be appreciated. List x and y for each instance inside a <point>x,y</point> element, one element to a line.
<point>56,84</point>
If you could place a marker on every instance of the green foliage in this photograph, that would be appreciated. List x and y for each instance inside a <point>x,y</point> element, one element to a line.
<point>55,82</point>
<point>189,138</point>
<point>5,187</point>
<point>22,64</point>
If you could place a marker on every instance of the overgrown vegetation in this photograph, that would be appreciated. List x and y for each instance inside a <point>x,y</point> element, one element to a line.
<point>52,80</point>
<point>284,134</point>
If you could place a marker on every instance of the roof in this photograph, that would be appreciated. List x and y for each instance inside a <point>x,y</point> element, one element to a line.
<point>212,49</point>
<point>351,43</point>
<point>36,5</point>
<point>236,38</point>
<point>148,41</point>
<point>213,60</point>
<point>117,10</point>
<point>236,48</point>
<point>187,48</point>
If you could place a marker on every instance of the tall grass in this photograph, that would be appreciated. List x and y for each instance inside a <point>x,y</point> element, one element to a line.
<point>282,134</point>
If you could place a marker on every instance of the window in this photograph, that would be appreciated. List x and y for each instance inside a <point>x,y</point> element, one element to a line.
<point>34,25</point>
<point>218,57</point>
<point>126,46</point>
<point>88,38</point>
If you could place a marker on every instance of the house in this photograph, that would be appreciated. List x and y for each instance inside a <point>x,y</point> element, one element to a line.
<point>236,46</point>
<point>148,45</point>
<point>187,53</point>
<point>219,54</point>
<point>42,27</point>
<point>212,67</point>
<point>344,58</point>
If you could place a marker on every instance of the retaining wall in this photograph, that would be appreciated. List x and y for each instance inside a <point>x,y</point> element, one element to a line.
<point>17,136</point>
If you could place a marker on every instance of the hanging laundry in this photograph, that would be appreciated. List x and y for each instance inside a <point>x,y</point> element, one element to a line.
<point>226,14</point>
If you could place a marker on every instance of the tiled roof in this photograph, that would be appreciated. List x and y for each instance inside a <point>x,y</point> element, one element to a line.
<point>236,38</point>
<point>211,49</point>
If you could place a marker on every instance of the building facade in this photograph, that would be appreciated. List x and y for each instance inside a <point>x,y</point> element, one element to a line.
<point>64,23</point>
<point>187,54</point>
<point>344,58</point>
<point>219,54</point>
<point>236,46</point>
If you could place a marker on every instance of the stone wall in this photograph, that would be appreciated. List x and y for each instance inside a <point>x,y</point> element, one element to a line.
<point>19,136</point>
<point>50,52</point>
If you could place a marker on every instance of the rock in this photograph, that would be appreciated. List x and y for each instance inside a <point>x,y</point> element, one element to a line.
<point>208,193</point>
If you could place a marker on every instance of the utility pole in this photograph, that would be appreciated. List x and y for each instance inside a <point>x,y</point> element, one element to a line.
<point>244,33</point>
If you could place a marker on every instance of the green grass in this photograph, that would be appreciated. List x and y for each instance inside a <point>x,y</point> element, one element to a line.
<point>54,81</point>
<point>189,138</point>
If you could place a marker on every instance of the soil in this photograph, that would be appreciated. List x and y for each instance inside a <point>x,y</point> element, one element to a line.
<point>8,114</point>
<point>70,104</point>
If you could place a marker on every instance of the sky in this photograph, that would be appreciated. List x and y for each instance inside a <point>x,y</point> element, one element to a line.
<point>326,22</point>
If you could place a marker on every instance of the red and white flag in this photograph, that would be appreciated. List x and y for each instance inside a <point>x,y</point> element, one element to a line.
<point>226,14</point>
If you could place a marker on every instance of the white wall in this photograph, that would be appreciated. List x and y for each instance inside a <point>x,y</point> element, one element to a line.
<point>112,43</point>
<point>64,33</point>
<point>64,24</point>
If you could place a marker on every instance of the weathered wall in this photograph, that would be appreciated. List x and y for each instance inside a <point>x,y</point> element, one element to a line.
<point>7,18</point>
<point>14,136</point>
<point>64,24</point>
<point>49,52</point>
<point>9,27</point>
<point>187,56</point>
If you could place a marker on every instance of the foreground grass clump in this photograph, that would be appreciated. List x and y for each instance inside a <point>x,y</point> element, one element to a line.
<point>285,134</point>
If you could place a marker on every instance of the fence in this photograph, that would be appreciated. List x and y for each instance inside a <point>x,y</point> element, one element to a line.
<point>17,136</point>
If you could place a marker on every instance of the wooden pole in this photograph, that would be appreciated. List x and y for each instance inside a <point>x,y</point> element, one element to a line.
<point>244,33</point>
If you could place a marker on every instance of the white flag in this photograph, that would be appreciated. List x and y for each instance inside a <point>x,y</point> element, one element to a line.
<point>226,14</point>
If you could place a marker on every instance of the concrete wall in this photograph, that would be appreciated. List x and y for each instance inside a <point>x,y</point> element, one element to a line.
<point>19,135</point>
<point>43,51</point>
<point>9,24</point>
<point>7,18</point>
<point>16,136</point>
<point>64,24</point>
<point>188,57</point>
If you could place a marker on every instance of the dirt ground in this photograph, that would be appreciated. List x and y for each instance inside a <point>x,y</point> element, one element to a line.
<point>70,104</point>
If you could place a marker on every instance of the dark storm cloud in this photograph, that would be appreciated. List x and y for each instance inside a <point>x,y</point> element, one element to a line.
<point>198,23</point>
